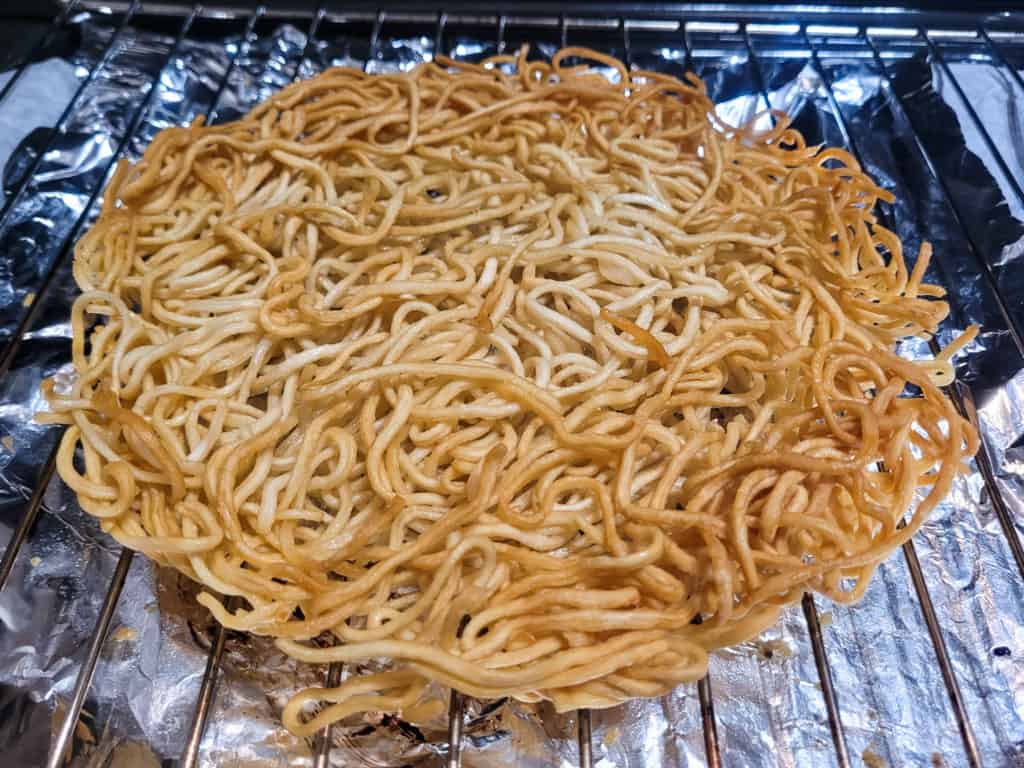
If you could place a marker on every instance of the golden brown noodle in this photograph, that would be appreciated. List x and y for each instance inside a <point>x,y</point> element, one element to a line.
<point>507,374</point>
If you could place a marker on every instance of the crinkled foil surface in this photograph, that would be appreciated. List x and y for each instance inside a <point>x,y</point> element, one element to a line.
<point>768,699</point>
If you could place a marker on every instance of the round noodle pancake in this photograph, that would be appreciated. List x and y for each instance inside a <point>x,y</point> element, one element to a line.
<point>537,384</point>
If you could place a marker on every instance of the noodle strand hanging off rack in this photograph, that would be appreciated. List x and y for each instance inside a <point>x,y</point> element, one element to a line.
<point>506,372</point>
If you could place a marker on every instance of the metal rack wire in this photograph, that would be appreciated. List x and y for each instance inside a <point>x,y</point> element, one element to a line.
<point>752,27</point>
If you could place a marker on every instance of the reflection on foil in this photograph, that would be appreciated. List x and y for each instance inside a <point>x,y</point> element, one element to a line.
<point>23,109</point>
<point>996,105</point>
<point>468,51</point>
<point>768,701</point>
<point>401,55</point>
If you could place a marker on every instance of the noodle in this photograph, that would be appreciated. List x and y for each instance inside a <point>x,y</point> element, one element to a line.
<point>536,384</point>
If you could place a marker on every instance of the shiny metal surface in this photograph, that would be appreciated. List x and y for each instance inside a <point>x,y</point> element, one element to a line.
<point>28,519</point>
<point>59,748</point>
<point>913,564</point>
<point>963,721</point>
<point>925,671</point>
<point>712,751</point>
<point>207,691</point>
<point>38,48</point>
<point>62,122</point>
<point>585,738</point>
<point>828,692</point>
<point>937,57</point>
<point>322,754</point>
<point>456,716</point>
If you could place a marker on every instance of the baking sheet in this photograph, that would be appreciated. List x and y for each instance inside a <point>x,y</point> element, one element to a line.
<point>768,702</point>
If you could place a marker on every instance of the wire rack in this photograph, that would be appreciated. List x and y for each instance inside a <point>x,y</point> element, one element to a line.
<point>752,31</point>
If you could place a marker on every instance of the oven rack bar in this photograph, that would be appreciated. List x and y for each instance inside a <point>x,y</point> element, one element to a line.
<point>56,132</point>
<point>10,347</point>
<point>85,674</point>
<point>810,610</point>
<point>211,675</point>
<point>823,17</point>
<point>909,552</point>
<point>440,22</point>
<point>83,680</point>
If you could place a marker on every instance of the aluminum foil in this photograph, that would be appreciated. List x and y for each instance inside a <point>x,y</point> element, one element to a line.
<point>894,706</point>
